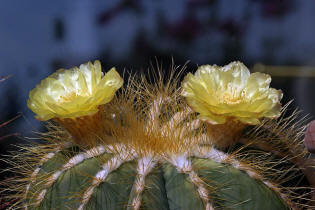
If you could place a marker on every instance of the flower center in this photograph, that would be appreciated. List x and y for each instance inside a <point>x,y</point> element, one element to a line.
<point>231,95</point>
<point>67,98</point>
<point>228,98</point>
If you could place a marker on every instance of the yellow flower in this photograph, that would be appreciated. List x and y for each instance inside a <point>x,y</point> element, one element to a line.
<point>75,92</point>
<point>230,92</point>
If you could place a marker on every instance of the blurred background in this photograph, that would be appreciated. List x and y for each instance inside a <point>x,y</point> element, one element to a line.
<point>38,37</point>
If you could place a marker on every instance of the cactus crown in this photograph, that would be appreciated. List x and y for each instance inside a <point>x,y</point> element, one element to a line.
<point>160,125</point>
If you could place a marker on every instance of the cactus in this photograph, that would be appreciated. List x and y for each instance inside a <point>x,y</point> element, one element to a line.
<point>218,140</point>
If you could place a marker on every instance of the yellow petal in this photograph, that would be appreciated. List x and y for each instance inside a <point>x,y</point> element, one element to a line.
<point>213,119</point>
<point>250,121</point>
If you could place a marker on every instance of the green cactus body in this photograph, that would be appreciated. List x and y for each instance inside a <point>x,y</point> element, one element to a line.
<point>180,183</point>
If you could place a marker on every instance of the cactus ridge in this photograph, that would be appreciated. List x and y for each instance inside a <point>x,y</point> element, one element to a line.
<point>144,166</point>
<point>154,153</point>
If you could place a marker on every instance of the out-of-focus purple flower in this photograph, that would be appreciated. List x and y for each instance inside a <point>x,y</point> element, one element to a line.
<point>186,29</point>
<point>276,8</point>
<point>107,16</point>
<point>309,139</point>
<point>231,28</point>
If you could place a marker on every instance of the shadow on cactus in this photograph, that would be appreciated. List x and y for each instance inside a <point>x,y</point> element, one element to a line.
<point>217,140</point>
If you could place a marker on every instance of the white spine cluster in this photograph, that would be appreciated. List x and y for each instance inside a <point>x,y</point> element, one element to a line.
<point>183,165</point>
<point>145,165</point>
<point>96,151</point>
<point>111,165</point>
<point>47,157</point>
<point>221,157</point>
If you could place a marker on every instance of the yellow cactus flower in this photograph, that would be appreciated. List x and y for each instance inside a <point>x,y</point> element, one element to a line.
<point>74,93</point>
<point>230,92</point>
